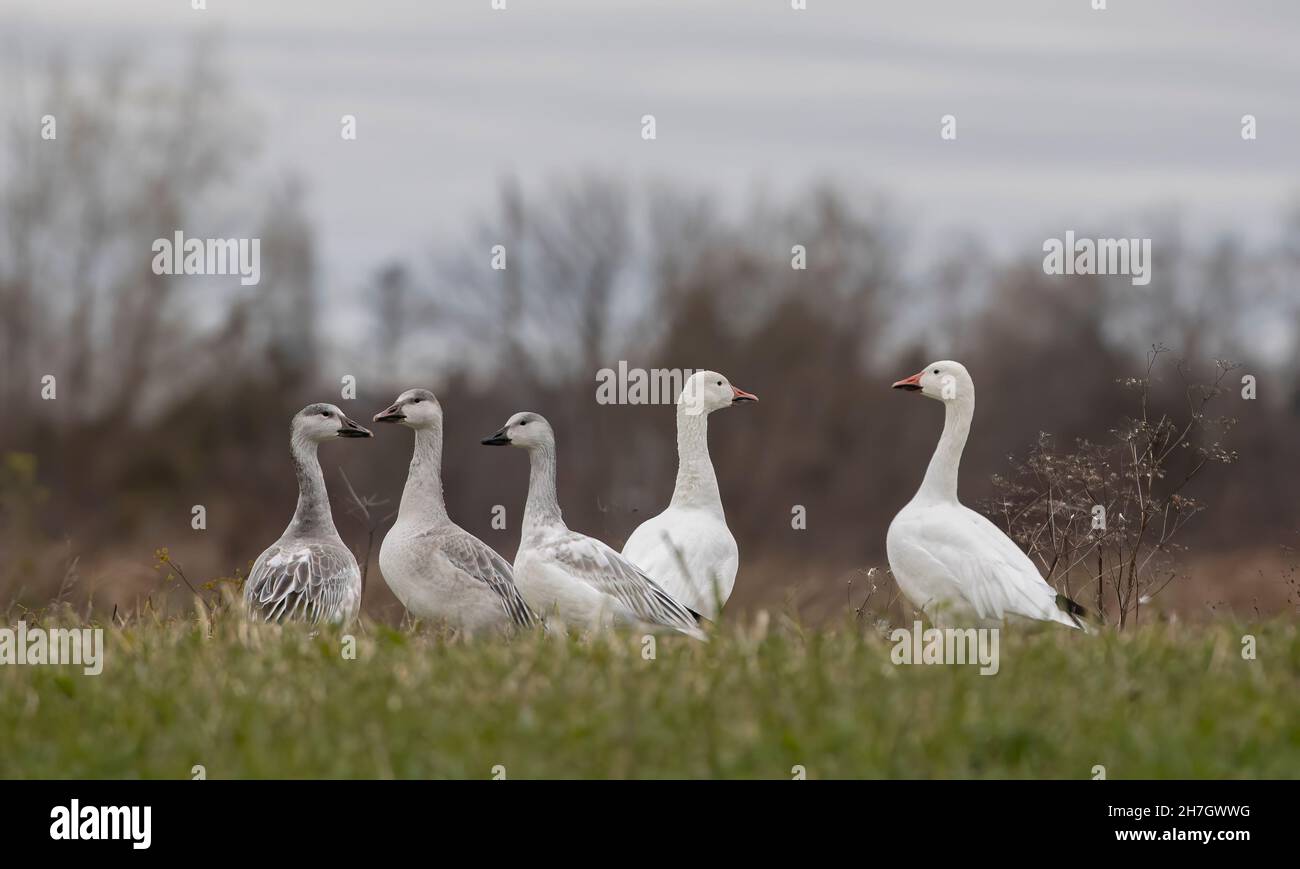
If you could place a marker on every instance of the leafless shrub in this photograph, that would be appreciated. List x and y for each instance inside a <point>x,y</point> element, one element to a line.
<point>1107,515</point>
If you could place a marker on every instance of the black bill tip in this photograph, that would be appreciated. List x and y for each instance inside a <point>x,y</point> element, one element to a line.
<point>352,430</point>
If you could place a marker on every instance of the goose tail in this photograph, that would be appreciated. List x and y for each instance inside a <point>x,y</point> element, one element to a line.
<point>1072,613</point>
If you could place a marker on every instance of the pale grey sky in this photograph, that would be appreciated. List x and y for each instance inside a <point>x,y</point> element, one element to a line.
<point>1067,117</point>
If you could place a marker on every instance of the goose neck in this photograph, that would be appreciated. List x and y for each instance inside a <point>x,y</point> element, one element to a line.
<point>697,484</point>
<point>422,497</point>
<point>940,483</point>
<point>543,508</point>
<point>312,516</point>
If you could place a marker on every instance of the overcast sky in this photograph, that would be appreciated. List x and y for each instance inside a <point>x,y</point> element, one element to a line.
<point>1067,117</point>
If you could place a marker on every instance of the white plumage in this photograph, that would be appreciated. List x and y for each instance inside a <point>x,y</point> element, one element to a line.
<point>948,560</point>
<point>688,548</point>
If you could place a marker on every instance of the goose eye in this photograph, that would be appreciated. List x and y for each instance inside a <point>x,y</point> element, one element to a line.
<point>416,400</point>
<point>524,422</point>
<point>324,413</point>
<point>719,382</point>
<point>936,371</point>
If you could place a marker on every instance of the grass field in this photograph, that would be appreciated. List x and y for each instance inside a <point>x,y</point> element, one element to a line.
<point>757,701</point>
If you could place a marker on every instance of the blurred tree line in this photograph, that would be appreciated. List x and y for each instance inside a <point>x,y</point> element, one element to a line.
<point>174,392</point>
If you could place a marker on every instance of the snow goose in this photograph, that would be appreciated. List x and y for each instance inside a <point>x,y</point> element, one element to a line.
<point>308,575</point>
<point>438,570</point>
<point>688,548</point>
<point>577,578</point>
<point>951,562</point>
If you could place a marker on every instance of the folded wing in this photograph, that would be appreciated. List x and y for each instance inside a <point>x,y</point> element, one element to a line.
<point>309,582</point>
<point>482,564</point>
<point>600,567</point>
<point>992,573</point>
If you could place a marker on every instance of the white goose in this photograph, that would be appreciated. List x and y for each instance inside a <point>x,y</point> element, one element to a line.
<point>438,570</point>
<point>308,574</point>
<point>577,578</point>
<point>951,562</point>
<point>688,548</point>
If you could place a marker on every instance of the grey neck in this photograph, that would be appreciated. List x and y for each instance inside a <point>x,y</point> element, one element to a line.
<point>697,485</point>
<point>543,508</point>
<point>312,517</point>
<point>422,497</point>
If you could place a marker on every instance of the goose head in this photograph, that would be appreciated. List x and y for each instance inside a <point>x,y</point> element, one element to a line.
<point>414,408</point>
<point>322,422</point>
<point>944,381</point>
<point>525,429</point>
<point>707,391</point>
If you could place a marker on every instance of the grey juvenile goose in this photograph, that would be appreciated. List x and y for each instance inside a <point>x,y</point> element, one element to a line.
<point>308,575</point>
<point>437,569</point>
<point>579,579</point>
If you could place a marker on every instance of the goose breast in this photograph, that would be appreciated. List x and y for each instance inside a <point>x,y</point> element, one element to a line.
<point>691,553</point>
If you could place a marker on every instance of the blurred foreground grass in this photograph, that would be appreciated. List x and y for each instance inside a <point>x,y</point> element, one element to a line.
<point>246,701</point>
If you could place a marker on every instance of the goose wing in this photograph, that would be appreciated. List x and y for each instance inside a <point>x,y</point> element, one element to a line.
<point>482,563</point>
<point>308,582</point>
<point>992,572</point>
<point>592,562</point>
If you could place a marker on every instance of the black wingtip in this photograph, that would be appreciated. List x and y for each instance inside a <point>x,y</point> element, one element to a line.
<point>1073,609</point>
<point>1070,606</point>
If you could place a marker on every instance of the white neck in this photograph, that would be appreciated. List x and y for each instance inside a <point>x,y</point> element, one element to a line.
<point>312,517</point>
<point>697,485</point>
<point>542,509</point>
<point>940,483</point>
<point>422,497</point>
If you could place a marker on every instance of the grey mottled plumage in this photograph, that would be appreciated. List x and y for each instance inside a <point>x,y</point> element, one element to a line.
<point>308,575</point>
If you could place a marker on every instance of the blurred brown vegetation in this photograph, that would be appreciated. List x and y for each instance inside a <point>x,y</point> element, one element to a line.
<point>178,391</point>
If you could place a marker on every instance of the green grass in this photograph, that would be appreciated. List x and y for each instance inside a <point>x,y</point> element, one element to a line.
<point>1163,701</point>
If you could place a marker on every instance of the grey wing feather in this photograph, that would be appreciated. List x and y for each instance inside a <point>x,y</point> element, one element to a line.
<point>612,574</point>
<point>482,562</point>
<point>309,582</point>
